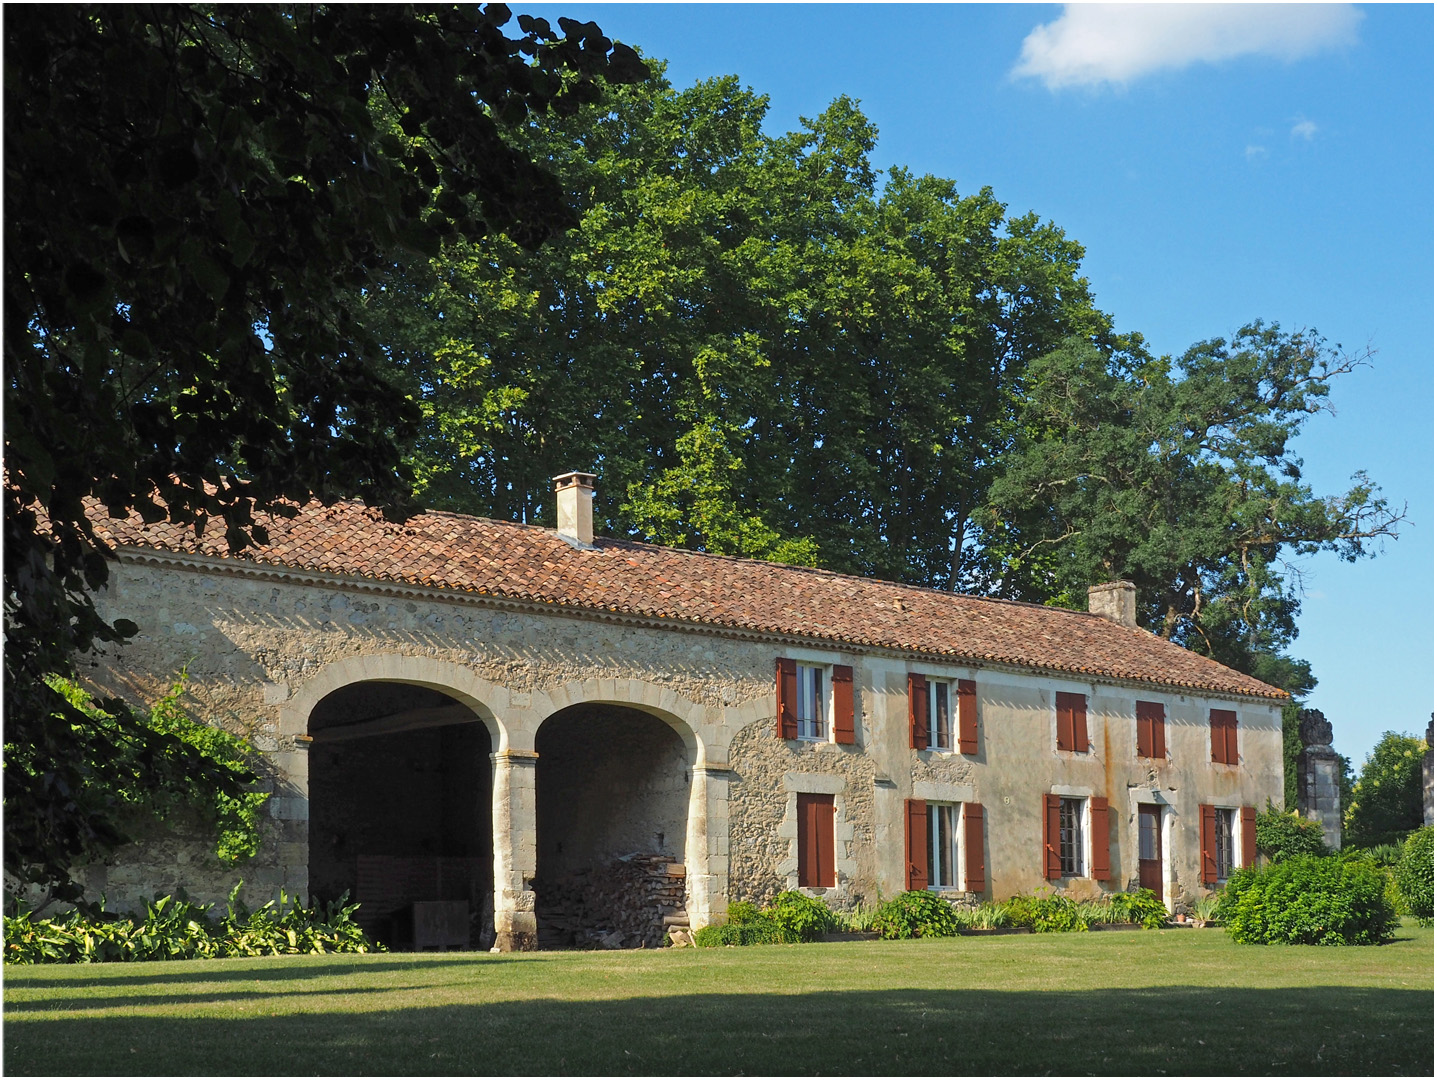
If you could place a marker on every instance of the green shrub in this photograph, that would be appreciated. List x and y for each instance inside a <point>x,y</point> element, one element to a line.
<point>986,916</point>
<point>1207,907</point>
<point>918,913</point>
<point>802,917</point>
<point>1414,874</point>
<point>1282,836</point>
<point>1386,800</point>
<point>741,912</point>
<point>1056,914</point>
<point>1308,900</point>
<point>859,920</point>
<point>1140,906</point>
<point>173,928</point>
<point>1019,910</point>
<point>761,930</point>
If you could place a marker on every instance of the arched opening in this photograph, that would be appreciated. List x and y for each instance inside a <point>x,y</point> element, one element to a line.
<point>613,805</point>
<point>400,816</point>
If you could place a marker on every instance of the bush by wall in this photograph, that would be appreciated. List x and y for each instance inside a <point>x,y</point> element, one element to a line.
<point>1281,836</point>
<point>802,917</point>
<point>1308,900</point>
<point>1414,874</point>
<point>175,929</point>
<point>790,918</point>
<point>918,913</point>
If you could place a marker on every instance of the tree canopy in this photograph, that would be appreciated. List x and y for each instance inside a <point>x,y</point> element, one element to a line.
<point>197,199</point>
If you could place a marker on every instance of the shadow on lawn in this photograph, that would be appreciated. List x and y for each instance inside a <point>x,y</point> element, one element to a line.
<point>1172,1030</point>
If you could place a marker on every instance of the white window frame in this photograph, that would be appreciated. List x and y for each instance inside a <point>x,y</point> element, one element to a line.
<point>945,687</point>
<point>1083,819</point>
<point>813,728</point>
<point>958,864</point>
<point>1234,838</point>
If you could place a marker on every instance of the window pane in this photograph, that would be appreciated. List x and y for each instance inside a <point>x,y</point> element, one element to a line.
<point>1222,843</point>
<point>1147,836</point>
<point>810,702</point>
<point>939,729</point>
<point>1070,837</point>
<point>943,845</point>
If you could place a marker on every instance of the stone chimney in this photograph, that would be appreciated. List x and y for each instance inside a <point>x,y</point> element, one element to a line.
<point>575,491</point>
<point>1116,601</point>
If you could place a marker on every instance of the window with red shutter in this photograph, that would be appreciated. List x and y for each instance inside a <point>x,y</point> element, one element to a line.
<point>1102,838</point>
<point>815,841</point>
<point>1249,835</point>
<point>917,711</point>
<point>1052,866</point>
<point>787,677</point>
<point>974,875</point>
<point>915,842</point>
<point>1072,722</point>
<point>1152,738</point>
<point>967,717</point>
<point>843,713</point>
<point>1224,736</point>
<point>1208,844</point>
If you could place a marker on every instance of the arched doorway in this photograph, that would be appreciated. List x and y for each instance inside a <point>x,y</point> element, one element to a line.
<point>613,793</point>
<point>400,813</point>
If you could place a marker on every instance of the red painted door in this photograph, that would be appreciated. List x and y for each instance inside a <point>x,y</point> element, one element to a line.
<point>1150,848</point>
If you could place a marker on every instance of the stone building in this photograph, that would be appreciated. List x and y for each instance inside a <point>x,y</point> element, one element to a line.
<point>561,730</point>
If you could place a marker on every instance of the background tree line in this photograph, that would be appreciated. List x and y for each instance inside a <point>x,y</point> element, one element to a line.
<point>259,253</point>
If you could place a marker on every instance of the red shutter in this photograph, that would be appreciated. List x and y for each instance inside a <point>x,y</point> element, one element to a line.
<point>1052,865</point>
<point>1151,737</point>
<point>974,879</point>
<point>1208,839</point>
<point>1232,740</point>
<point>1065,721</point>
<point>915,841</point>
<point>815,841</point>
<point>1102,854</point>
<point>1080,723</point>
<point>842,704</point>
<point>968,718</point>
<point>917,711</point>
<point>1249,835</point>
<point>1219,719</point>
<point>787,699</point>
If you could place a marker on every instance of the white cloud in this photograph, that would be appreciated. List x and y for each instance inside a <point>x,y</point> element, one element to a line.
<point>1255,152</point>
<point>1304,129</point>
<point>1092,44</point>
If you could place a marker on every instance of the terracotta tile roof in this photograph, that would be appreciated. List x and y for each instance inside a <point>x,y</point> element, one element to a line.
<point>473,555</point>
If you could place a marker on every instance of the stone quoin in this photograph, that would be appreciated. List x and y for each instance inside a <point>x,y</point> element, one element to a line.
<point>595,740</point>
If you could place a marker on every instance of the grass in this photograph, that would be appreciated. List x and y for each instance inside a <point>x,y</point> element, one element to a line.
<point>1174,1002</point>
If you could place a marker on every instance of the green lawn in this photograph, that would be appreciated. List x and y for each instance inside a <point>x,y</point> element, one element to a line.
<point>1175,1002</point>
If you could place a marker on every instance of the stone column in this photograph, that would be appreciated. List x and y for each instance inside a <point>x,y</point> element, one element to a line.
<point>706,847</point>
<point>516,850</point>
<point>1319,776</point>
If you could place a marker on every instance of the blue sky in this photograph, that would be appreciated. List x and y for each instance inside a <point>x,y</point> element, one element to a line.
<point>1219,166</point>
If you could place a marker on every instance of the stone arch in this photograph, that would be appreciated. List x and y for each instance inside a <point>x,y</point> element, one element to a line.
<point>400,796</point>
<point>454,680</point>
<point>687,718</point>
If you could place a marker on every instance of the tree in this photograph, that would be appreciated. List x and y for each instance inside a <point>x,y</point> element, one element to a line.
<point>1387,797</point>
<point>196,201</point>
<point>1179,477</point>
<point>759,351</point>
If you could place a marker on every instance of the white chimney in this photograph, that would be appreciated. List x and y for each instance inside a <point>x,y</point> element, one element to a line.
<point>575,491</point>
<point>1116,601</point>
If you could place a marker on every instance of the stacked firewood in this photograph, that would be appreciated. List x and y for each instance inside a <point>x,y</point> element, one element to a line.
<point>630,902</point>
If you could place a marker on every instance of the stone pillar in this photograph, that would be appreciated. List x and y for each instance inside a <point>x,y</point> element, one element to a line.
<point>1427,778</point>
<point>1319,776</point>
<point>516,850</point>
<point>706,847</point>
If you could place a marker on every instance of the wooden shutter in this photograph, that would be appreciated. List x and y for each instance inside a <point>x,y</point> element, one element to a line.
<point>968,718</point>
<point>1249,835</point>
<point>1052,864</point>
<point>917,711</point>
<point>1219,719</point>
<point>974,878</point>
<point>787,698</point>
<point>1208,844</point>
<point>815,841</point>
<point>843,704</point>
<point>915,842</point>
<point>1073,722</point>
<point>1152,742</point>
<point>1102,853</point>
<point>1065,721</point>
<point>1231,739</point>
